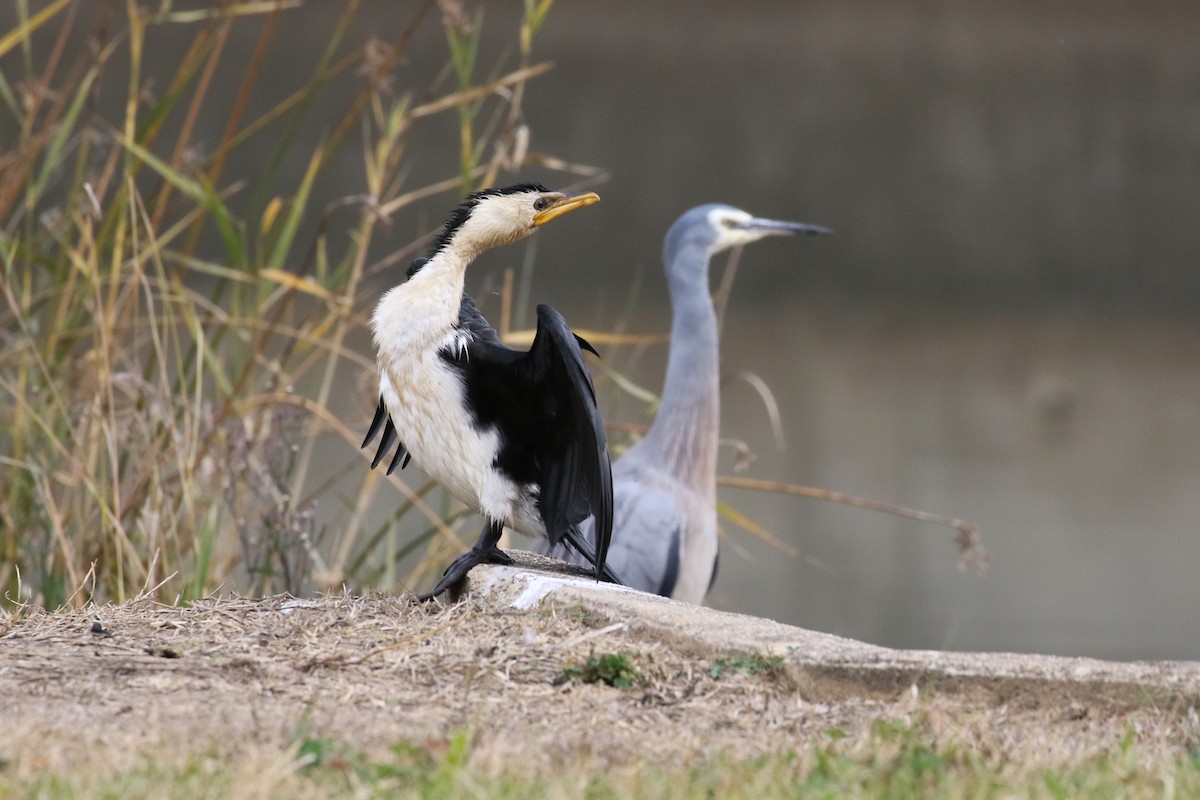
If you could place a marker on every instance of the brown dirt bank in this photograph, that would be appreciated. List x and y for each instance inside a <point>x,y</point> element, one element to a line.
<point>242,678</point>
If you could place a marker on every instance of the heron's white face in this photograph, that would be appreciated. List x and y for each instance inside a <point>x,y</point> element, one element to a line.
<point>734,227</point>
<point>502,219</point>
<point>731,227</point>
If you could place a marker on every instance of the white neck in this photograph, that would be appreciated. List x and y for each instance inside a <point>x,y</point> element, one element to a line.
<point>419,312</point>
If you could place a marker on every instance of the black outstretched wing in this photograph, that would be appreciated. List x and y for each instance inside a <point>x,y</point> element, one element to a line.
<point>580,484</point>
<point>543,405</point>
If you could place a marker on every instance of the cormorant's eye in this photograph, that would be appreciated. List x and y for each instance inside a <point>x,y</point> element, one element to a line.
<point>540,204</point>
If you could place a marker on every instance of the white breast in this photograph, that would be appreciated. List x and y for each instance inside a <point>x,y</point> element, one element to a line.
<point>426,399</point>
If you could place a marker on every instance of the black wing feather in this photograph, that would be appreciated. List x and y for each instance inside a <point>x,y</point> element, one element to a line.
<point>576,539</point>
<point>581,483</point>
<point>383,420</point>
<point>584,344</point>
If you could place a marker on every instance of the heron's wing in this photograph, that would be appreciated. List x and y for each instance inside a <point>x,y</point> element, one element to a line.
<point>649,525</point>
<point>579,484</point>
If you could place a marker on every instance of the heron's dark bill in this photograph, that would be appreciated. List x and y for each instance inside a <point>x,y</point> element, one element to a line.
<point>783,228</point>
<point>562,206</point>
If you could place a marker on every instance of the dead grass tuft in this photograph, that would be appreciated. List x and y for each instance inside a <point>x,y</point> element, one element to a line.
<point>172,341</point>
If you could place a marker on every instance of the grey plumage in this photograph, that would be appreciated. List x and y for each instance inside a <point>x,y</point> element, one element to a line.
<point>664,487</point>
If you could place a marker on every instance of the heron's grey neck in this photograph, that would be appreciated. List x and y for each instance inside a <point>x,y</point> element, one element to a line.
<point>684,435</point>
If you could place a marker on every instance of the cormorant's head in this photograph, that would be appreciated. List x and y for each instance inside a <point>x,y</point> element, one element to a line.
<point>716,227</point>
<point>496,217</point>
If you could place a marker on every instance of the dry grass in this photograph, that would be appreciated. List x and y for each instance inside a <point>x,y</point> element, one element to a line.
<point>103,689</point>
<point>172,340</point>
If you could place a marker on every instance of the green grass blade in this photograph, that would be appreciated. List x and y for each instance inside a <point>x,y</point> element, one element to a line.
<point>198,191</point>
<point>22,34</point>
<point>52,160</point>
<point>10,100</point>
<point>295,212</point>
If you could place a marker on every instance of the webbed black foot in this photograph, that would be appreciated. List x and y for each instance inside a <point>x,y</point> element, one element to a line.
<point>485,551</point>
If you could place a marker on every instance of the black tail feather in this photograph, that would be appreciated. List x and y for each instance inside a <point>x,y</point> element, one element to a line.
<point>385,444</point>
<point>376,422</point>
<point>401,452</point>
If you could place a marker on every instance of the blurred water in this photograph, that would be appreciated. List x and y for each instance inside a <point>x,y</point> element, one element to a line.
<point>1072,439</point>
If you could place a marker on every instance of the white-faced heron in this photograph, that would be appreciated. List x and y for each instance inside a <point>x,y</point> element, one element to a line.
<point>664,536</point>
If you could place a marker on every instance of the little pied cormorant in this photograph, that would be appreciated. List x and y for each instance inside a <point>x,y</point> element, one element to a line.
<point>514,434</point>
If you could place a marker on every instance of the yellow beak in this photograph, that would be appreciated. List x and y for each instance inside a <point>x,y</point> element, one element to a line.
<point>560,207</point>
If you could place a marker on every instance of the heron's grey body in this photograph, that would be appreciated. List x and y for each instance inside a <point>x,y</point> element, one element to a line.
<point>664,487</point>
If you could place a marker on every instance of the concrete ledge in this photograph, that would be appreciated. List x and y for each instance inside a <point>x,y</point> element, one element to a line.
<point>825,665</point>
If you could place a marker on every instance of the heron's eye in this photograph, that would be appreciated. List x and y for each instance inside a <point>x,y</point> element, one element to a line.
<point>540,204</point>
<point>729,222</point>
